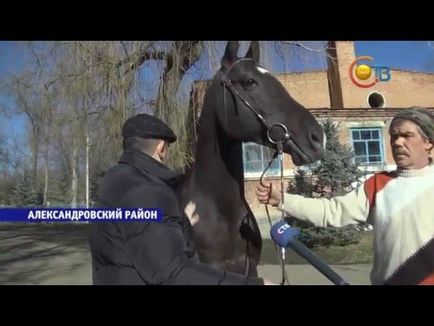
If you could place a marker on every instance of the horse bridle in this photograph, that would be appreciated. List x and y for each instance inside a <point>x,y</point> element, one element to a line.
<point>286,138</point>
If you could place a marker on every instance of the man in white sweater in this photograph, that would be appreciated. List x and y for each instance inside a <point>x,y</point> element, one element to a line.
<point>400,204</point>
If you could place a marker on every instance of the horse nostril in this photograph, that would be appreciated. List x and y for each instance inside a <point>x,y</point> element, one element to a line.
<point>315,138</point>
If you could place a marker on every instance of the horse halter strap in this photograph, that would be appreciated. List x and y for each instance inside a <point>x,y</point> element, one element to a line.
<point>228,83</point>
<point>279,143</point>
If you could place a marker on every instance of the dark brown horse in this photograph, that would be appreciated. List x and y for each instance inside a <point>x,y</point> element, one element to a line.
<point>242,104</point>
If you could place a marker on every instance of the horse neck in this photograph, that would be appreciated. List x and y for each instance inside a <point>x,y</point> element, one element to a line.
<point>219,161</point>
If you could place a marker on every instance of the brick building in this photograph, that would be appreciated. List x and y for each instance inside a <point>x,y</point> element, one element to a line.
<point>363,113</point>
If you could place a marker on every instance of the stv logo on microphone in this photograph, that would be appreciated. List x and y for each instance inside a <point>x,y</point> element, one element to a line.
<point>360,74</point>
<point>282,229</point>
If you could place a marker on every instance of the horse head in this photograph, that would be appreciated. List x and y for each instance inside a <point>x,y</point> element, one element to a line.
<point>257,108</point>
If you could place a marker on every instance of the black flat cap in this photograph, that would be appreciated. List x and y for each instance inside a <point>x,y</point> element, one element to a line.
<point>147,126</point>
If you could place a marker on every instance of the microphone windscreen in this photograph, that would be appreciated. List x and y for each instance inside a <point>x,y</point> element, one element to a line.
<point>282,233</point>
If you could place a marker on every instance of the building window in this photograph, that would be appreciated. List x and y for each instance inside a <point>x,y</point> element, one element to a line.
<point>256,158</point>
<point>367,145</point>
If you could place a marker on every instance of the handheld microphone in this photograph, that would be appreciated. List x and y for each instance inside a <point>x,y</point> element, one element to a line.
<point>286,236</point>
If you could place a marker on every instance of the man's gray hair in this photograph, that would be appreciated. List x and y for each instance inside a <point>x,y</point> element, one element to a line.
<point>424,118</point>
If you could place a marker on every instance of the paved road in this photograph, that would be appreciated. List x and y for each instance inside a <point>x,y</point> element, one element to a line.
<point>308,275</point>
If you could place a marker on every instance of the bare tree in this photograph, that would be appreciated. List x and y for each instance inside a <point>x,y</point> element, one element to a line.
<point>180,58</point>
<point>77,95</point>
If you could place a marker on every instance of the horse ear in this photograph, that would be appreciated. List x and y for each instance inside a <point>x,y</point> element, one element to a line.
<point>253,51</point>
<point>231,52</point>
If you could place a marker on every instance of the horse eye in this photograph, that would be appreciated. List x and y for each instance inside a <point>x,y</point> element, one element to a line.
<point>249,83</point>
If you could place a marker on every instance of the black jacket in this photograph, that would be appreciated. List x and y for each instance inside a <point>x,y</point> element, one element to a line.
<point>147,252</point>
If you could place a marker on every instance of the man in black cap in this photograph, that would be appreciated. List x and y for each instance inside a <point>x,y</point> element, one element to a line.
<point>148,252</point>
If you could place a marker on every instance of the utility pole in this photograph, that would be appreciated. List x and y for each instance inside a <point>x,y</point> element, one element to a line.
<point>87,168</point>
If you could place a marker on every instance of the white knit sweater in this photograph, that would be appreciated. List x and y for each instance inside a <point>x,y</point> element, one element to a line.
<point>400,205</point>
